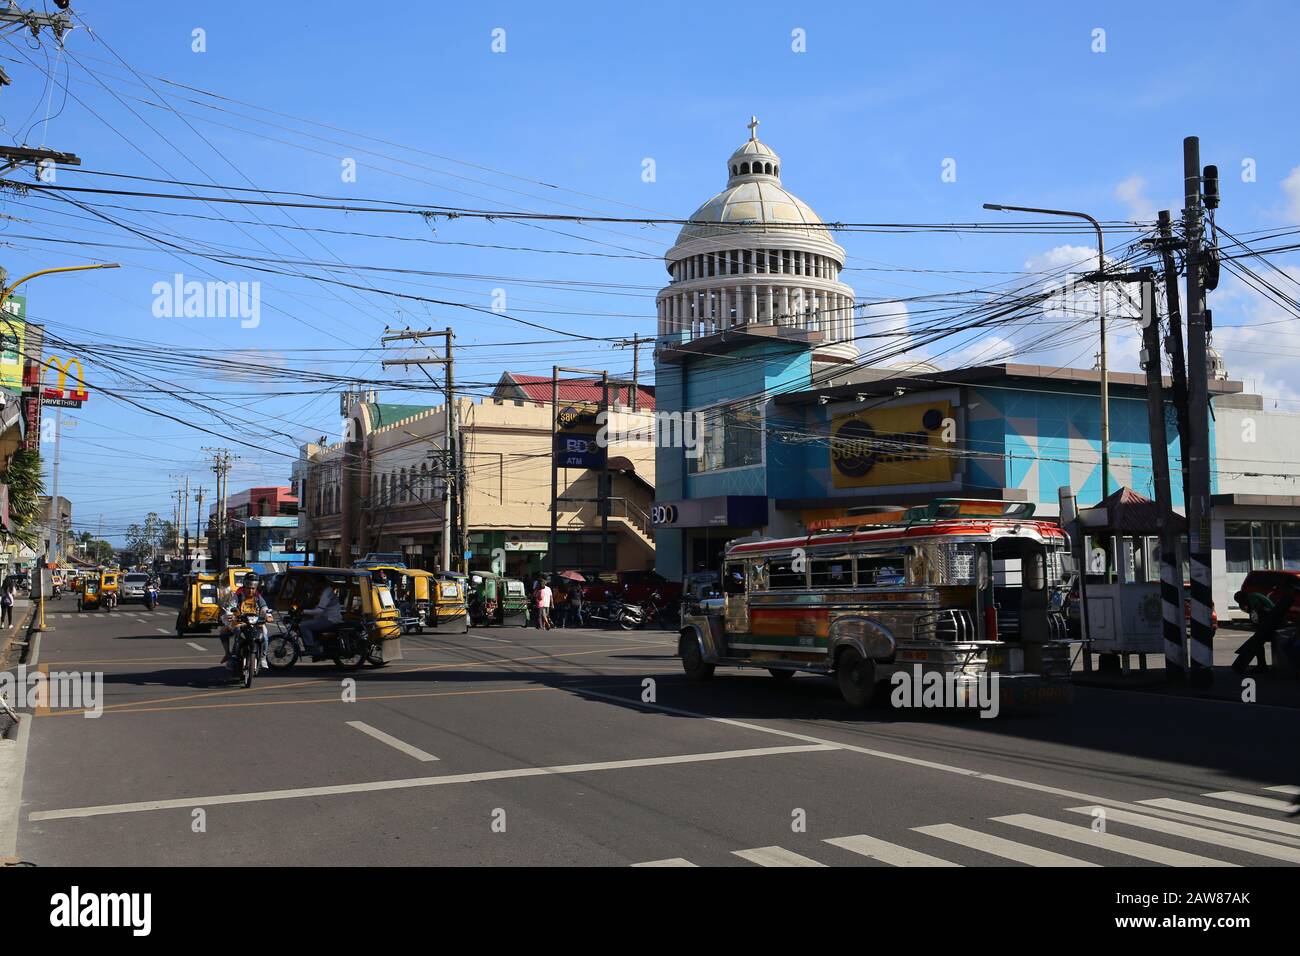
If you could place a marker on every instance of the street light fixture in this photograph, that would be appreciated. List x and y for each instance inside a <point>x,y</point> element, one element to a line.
<point>1101,321</point>
<point>4,298</point>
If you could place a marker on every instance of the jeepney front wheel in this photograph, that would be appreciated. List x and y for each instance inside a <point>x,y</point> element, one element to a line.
<point>693,663</point>
<point>856,676</point>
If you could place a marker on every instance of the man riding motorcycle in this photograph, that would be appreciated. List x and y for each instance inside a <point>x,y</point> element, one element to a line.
<point>248,600</point>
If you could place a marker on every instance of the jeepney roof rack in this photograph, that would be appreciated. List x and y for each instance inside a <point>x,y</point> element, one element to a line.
<point>940,509</point>
<point>945,509</point>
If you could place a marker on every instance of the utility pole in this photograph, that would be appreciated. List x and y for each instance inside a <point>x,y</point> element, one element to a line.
<point>636,369</point>
<point>221,461</point>
<point>1166,245</point>
<point>1198,400</point>
<point>1171,589</point>
<point>185,523</point>
<point>450,440</point>
<point>56,513</point>
<point>604,482</point>
<point>198,518</point>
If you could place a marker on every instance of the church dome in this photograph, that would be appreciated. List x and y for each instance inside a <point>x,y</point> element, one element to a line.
<point>756,257</point>
<point>754,197</point>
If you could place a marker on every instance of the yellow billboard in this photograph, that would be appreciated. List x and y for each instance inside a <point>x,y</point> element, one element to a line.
<point>899,445</point>
<point>13,334</point>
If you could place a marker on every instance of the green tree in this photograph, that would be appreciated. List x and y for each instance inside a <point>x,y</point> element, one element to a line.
<point>23,476</point>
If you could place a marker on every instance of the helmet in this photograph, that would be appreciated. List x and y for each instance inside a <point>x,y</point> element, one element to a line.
<point>250,578</point>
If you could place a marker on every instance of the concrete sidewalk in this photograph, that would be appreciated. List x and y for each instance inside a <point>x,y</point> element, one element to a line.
<point>1268,687</point>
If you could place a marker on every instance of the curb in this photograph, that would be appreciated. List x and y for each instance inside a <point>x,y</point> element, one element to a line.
<point>13,762</point>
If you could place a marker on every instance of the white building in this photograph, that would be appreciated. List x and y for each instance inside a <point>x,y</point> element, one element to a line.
<point>755,256</point>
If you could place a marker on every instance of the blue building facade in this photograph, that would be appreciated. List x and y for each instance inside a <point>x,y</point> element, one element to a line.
<point>1002,432</point>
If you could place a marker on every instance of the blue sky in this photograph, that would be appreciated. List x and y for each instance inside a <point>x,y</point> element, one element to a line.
<point>562,121</point>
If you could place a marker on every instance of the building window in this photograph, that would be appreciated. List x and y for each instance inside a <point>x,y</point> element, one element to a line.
<point>731,436</point>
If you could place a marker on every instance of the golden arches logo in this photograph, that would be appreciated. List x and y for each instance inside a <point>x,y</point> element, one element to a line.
<point>60,391</point>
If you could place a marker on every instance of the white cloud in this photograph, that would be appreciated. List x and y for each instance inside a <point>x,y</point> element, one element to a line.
<point>1258,338</point>
<point>1291,189</point>
<point>1132,192</point>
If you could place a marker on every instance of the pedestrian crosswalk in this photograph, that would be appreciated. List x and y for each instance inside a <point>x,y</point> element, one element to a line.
<point>1208,834</point>
<point>131,614</point>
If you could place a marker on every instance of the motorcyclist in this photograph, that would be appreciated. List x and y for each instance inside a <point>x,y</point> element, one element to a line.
<point>248,600</point>
<point>325,616</point>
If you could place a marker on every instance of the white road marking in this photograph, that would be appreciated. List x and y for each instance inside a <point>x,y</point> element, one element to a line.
<point>889,853</point>
<point>1251,800</point>
<point>499,640</point>
<point>775,856</point>
<point>1232,816</point>
<point>674,861</point>
<point>197,647</point>
<point>1285,788</point>
<point>1073,795</point>
<point>402,745</point>
<point>1215,837</point>
<point>999,846</point>
<point>162,630</point>
<point>1108,841</point>
<point>413,782</point>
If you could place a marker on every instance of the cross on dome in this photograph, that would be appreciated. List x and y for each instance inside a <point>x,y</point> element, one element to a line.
<point>753,127</point>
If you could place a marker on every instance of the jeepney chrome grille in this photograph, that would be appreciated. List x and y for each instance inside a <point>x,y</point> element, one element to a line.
<point>947,624</point>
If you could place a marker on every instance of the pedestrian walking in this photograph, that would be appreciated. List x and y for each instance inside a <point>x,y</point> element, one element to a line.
<point>575,604</point>
<point>545,598</point>
<point>7,604</point>
<point>1271,611</point>
<point>562,605</point>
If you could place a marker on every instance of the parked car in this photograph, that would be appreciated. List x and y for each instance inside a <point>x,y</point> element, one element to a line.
<point>1268,582</point>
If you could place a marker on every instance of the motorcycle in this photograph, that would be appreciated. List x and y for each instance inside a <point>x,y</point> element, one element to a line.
<point>151,597</point>
<point>655,610</point>
<point>349,645</point>
<point>246,645</point>
<point>613,613</point>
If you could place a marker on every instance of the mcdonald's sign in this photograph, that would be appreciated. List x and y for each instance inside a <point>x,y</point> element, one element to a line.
<point>60,394</point>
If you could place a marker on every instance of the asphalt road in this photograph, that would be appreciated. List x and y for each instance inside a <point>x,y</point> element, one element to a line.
<point>508,746</point>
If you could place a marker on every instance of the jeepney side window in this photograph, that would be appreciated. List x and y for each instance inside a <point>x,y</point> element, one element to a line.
<point>758,575</point>
<point>734,579</point>
<point>836,572</point>
<point>881,570</point>
<point>781,576</point>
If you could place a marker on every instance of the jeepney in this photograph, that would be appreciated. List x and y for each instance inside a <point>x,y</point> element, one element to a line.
<point>967,590</point>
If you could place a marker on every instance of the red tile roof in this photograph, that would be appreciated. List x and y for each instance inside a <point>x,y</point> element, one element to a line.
<point>537,388</point>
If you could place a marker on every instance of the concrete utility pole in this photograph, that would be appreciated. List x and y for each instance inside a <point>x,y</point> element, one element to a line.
<point>453,481</point>
<point>221,461</point>
<point>198,518</point>
<point>1171,589</point>
<point>1198,400</point>
<point>1166,245</point>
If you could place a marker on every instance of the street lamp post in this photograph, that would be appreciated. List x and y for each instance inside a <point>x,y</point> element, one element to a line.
<point>1101,321</point>
<point>4,298</point>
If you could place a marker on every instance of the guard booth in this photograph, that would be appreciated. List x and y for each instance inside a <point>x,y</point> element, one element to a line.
<point>1122,606</point>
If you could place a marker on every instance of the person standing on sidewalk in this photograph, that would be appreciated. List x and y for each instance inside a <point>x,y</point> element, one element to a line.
<point>7,597</point>
<point>545,599</point>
